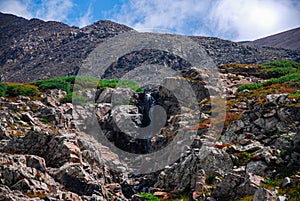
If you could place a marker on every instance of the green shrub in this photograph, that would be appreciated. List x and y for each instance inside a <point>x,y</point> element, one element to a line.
<point>74,98</point>
<point>3,89</point>
<point>84,82</point>
<point>284,79</point>
<point>249,86</point>
<point>277,69</point>
<point>148,197</point>
<point>114,83</point>
<point>244,158</point>
<point>296,94</point>
<point>15,89</point>
<point>281,64</point>
<point>54,83</point>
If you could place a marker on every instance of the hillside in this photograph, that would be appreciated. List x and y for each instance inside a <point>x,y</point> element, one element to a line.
<point>34,49</point>
<point>289,40</point>
<point>200,134</point>
<point>47,150</point>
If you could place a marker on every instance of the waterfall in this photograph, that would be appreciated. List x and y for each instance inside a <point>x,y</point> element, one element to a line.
<point>148,102</point>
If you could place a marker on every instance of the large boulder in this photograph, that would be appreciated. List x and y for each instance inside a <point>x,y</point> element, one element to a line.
<point>264,194</point>
<point>186,174</point>
<point>56,150</point>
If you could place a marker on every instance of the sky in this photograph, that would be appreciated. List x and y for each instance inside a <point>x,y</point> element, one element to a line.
<point>236,20</point>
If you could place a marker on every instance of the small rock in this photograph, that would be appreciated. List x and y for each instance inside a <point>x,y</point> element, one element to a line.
<point>27,118</point>
<point>281,198</point>
<point>286,181</point>
<point>37,163</point>
<point>278,99</point>
<point>22,185</point>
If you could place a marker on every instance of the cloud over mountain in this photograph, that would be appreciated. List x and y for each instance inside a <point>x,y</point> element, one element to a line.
<point>229,19</point>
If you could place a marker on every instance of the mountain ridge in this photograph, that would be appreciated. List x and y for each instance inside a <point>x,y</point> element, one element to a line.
<point>289,39</point>
<point>34,49</point>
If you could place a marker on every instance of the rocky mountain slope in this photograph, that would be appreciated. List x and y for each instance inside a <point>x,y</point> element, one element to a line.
<point>46,154</point>
<point>289,40</point>
<point>56,135</point>
<point>39,49</point>
<point>34,49</point>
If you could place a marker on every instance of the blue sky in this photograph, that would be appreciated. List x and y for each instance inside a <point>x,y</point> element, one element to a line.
<point>228,19</point>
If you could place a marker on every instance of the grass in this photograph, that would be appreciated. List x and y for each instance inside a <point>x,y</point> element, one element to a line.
<point>295,95</point>
<point>67,83</point>
<point>277,72</point>
<point>45,121</point>
<point>247,198</point>
<point>74,98</point>
<point>148,197</point>
<point>3,89</point>
<point>16,89</point>
<point>119,83</point>
<point>295,77</point>
<point>244,158</point>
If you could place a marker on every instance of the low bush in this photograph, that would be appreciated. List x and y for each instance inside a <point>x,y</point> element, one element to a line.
<point>148,197</point>
<point>3,89</point>
<point>281,64</point>
<point>284,79</point>
<point>15,89</point>
<point>249,86</point>
<point>114,83</point>
<point>74,98</point>
<point>83,82</point>
<point>54,83</point>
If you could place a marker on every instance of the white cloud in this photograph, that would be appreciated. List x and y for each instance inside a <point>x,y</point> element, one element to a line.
<point>253,19</point>
<point>230,19</point>
<point>87,18</point>
<point>16,7</point>
<point>174,15</point>
<point>56,10</point>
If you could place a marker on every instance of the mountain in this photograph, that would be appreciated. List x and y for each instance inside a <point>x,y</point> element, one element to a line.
<point>230,134</point>
<point>289,40</point>
<point>34,49</point>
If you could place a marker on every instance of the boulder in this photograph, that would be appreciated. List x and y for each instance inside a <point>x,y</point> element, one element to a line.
<point>190,172</point>
<point>256,167</point>
<point>278,99</point>
<point>76,179</point>
<point>226,190</point>
<point>264,194</point>
<point>295,141</point>
<point>250,185</point>
<point>56,150</point>
<point>53,97</point>
<point>19,173</point>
